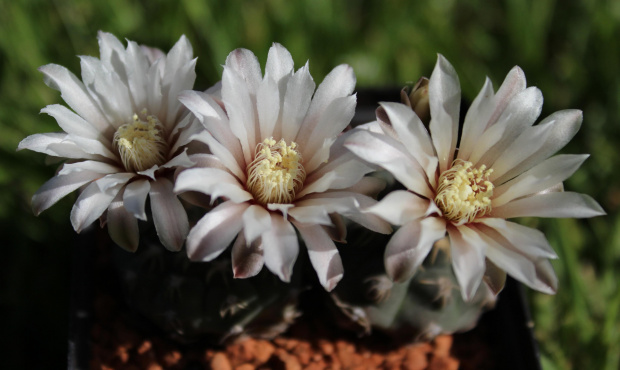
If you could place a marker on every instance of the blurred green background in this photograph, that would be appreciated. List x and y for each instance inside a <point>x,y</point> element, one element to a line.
<point>569,49</point>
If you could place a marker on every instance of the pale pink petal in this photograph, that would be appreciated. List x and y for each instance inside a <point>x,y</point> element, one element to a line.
<point>520,114</point>
<point>468,251</point>
<point>179,75</point>
<point>75,94</point>
<point>93,201</point>
<point>477,119</point>
<point>247,260</point>
<point>92,146</point>
<point>222,152</point>
<point>530,271</point>
<point>241,111</point>
<point>256,220</point>
<point>179,160</point>
<point>58,187</point>
<point>368,185</point>
<point>339,83</point>
<point>168,214</point>
<point>391,155</point>
<point>280,247</point>
<point>213,182</point>
<point>414,136</point>
<point>323,255</point>
<point>527,241</point>
<point>91,166</point>
<point>536,144</point>
<point>410,245</point>
<point>341,173</point>
<point>548,173</point>
<point>215,231</point>
<point>245,63</point>
<point>73,124</point>
<point>122,225</point>
<point>400,207</point>
<point>299,89</point>
<point>562,205</point>
<point>279,62</point>
<point>55,144</point>
<point>134,198</point>
<point>444,92</point>
<point>268,107</point>
<point>137,65</point>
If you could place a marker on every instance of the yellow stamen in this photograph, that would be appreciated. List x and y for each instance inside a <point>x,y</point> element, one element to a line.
<point>140,143</point>
<point>464,192</point>
<point>276,173</point>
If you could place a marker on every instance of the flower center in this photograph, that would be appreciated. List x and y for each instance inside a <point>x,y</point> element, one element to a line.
<point>140,143</point>
<point>464,192</point>
<point>276,173</point>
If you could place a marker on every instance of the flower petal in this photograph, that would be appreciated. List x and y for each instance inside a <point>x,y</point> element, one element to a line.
<point>562,204</point>
<point>58,187</point>
<point>247,260</point>
<point>168,214</point>
<point>391,155</point>
<point>280,247</point>
<point>323,255</point>
<point>400,207</point>
<point>94,200</point>
<point>279,62</point>
<point>256,220</point>
<point>410,245</point>
<point>548,173</point>
<point>444,92</point>
<point>468,251</point>
<point>527,241</point>
<point>213,182</point>
<point>122,225</point>
<point>299,89</point>
<point>215,231</point>
<point>134,198</point>
<point>73,124</point>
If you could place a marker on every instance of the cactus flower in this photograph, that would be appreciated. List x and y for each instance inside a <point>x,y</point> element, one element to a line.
<point>123,139</point>
<point>502,167</point>
<point>279,165</point>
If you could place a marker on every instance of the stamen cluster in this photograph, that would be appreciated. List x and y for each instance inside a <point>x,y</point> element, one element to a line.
<point>276,173</point>
<point>464,192</point>
<point>141,144</point>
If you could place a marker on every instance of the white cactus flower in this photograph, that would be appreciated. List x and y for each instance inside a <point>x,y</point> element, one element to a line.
<point>500,168</point>
<point>123,139</point>
<point>278,161</point>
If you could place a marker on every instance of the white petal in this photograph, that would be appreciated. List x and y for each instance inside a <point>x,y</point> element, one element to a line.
<point>331,122</point>
<point>410,245</point>
<point>280,247</point>
<point>215,231</point>
<point>180,160</point>
<point>134,198</point>
<point>400,207</point>
<point>297,99</point>
<point>468,251</point>
<point>279,62</point>
<point>247,260</point>
<point>92,146</point>
<point>73,124</point>
<point>241,111</point>
<point>137,66</point>
<point>339,83</point>
<point>391,155</point>
<point>563,204</point>
<point>55,144</point>
<point>256,220</point>
<point>444,92</point>
<point>214,119</point>
<point>414,136</point>
<point>74,93</point>
<point>520,114</point>
<point>527,241</point>
<point>245,63</point>
<point>223,154</point>
<point>477,119</point>
<point>91,166</point>
<point>213,182</point>
<point>58,187</point>
<point>92,202</point>
<point>122,225</point>
<point>342,173</point>
<point>168,214</point>
<point>323,255</point>
<point>530,271</point>
<point>536,144</point>
<point>268,106</point>
<point>548,173</point>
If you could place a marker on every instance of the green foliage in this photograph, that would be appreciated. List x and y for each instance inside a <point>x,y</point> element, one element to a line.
<point>568,49</point>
